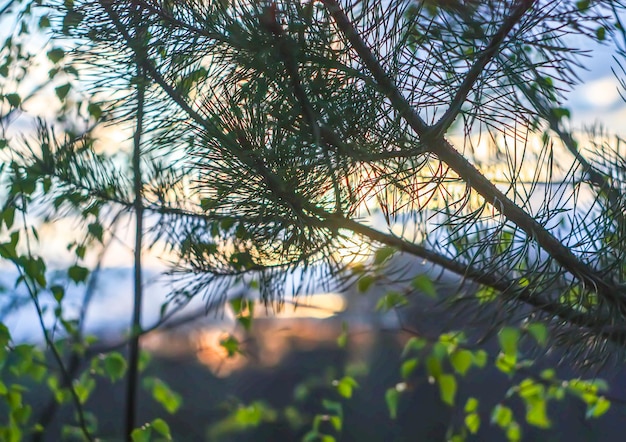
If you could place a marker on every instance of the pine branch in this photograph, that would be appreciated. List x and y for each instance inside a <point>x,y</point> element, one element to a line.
<point>472,76</point>
<point>435,143</point>
<point>316,216</point>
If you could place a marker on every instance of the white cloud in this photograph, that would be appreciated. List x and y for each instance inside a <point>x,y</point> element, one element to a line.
<point>601,93</point>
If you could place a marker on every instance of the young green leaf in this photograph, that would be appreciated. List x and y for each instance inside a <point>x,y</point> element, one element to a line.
<point>413,345</point>
<point>392,397</point>
<point>472,422</point>
<point>461,361</point>
<point>536,412</point>
<point>58,292</point>
<point>141,434</point>
<point>382,254</point>
<point>390,301</point>
<point>161,427</point>
<point>471,405</point>
<point>62,91</point>
<point>55,55</point>
<point>162,393</point>
<point>231,345</point>
<point>424,284</point>
<point>114,366</point>
<point>600,407</point>
<point>447,388</point>
<point>345,386</point>
<point>508,338</point>
<point>502,416</point>
<point>77,273</point>
<point>538,331</point>
<point>408,367</point>
<point>365,282</point>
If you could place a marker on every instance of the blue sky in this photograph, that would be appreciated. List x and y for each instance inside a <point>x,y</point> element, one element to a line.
<point>597,98</point>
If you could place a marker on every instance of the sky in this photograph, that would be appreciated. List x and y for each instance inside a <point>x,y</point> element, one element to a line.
<point>597,99</point>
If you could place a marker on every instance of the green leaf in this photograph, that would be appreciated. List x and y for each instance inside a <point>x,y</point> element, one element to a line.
<point>8,215</point>
<point>506,364</point>
<point>536,413</point>
<point>311,436</point>
<point>461,361</point>
<point>414,344</point>
<point>472,422</point>
<point>539,332</point>
<point>471,405</point>
<point>141,434</point>
<point>96,230</point>
<point>433,366</point>
<point>84,386</point>
<point>162,393</point>
<point>424,284</point>
<point>508,338</point>
<point>390,301</point>
<point>601,406</point>
<point>335,421</point>
<point>80,251</point>
<point>408,367</point>
<point>561,112</point>
<point>231,345</point>
<point>583,5</point>
<point>114,366</point>
<point>514,432</point>
<point>55,55</point>
<point>58,292</point>
<point>238,305</point>
<point>365,282</point>
<point>486,294</point>
<point>44,22</point>
<point>161,427</point>
<point>77,273</point>
<point>14,99</point>
<point>94,110</point>
<point>252,415</point>
<point>528,388</point>
<point>392,397</point>
<point>227,223</point>
<point>71,20</point>
<point>5,335</point>
<point>601,33</point>
<point>35,268</point>
<point>382,254</point>
<point>447,388</point>
<point>502,416</point>
<point>207,204</point>
<point>346,385</point>
<point>62,91</point>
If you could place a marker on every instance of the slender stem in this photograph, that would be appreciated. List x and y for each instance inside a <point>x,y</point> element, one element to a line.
<point>65,375</point>
<point>133,350</point>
